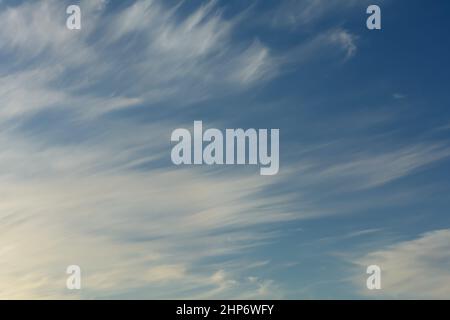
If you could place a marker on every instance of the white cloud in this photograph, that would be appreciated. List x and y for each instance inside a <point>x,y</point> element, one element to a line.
<point>127,229</point>
<point>255,65</point>
<point>365,170</point>
<point>166,57</point>
<point>345,40</point>
<point>399,96</point>
<point>161,55</point>
<point>330,45</point>
<point>302,13</point>
<point>86,203</point>
<point>412,269</point>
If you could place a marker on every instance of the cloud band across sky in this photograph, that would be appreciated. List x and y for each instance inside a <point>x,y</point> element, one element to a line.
<point>85,172</point>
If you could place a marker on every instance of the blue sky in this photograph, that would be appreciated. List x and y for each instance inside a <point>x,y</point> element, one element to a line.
<point>86,177</point>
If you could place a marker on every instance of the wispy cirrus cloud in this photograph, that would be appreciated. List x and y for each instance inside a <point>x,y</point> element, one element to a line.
<point>82,185</point>
<point>90,201</point>
<point>368,171</point>
<point>166,56</point>
<point>412,269</point>
<point>301,13</point>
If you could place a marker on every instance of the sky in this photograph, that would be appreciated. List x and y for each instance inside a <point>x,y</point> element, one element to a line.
<point>86,178</point>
